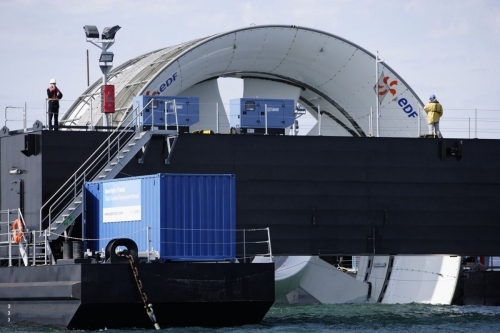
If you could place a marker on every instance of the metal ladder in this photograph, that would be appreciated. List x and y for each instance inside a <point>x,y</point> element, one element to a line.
<point>123,143</point>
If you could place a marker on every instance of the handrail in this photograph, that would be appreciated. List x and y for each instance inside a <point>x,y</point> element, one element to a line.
<point>9,243</point>
<point>135,235</point>
<point>14,107</point>
<point>83,171</point>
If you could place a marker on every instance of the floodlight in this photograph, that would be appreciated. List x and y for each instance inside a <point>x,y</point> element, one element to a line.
<point>106,57</point>
<point>109,32</point>
<point>91,31</point>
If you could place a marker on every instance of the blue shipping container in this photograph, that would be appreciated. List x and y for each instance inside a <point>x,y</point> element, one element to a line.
<point>192,217</point>
<point>250,113</point>
<point>188,110</point>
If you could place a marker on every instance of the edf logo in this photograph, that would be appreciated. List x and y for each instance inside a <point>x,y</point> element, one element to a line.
<point>168,82</point>
<point>164,85</point>
<point>407,108</point>
<point>383,87</point>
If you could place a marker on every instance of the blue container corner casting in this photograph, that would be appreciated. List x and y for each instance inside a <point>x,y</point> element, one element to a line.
<point>192,216</point>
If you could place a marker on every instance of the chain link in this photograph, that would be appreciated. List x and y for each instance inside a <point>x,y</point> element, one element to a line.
<point>147,307</point>
<point>137,281</point>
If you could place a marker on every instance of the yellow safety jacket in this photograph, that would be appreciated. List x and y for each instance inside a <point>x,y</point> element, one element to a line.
<point>434,112</point>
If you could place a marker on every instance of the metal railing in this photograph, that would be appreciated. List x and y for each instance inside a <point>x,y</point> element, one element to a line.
<point>103,155</point>
<point>15,107</point>
<point>456,123</point>
<point>7,219</point>
<point>248,243</point>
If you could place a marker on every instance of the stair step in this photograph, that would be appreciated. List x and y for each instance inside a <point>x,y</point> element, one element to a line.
<point>124,149</point>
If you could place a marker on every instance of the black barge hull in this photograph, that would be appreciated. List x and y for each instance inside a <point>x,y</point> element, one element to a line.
<point>95,296</point>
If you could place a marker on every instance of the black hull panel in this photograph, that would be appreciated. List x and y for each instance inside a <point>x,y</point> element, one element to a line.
<point>85,296</point>
<point>203,313</point>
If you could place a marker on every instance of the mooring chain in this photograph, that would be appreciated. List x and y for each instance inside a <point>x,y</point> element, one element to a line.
<point>148,307</point>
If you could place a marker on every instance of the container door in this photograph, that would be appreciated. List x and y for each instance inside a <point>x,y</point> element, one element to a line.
<point>249,114</point>
<point>275,113</point>
<point>282,115</point>
<point>288,113</point>
<point>192,110</point>
<point>171,113</point>
<point>147,118</point>
<point>260,114</point>
<point>183,111</point>
<point>159,112</point>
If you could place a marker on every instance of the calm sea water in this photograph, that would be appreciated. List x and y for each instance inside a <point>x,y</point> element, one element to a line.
<point>346,318</point>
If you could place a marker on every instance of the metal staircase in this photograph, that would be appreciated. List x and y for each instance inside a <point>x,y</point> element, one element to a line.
<point>123,143</point>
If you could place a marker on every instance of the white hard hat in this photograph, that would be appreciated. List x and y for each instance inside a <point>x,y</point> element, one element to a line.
<point>52,81</point>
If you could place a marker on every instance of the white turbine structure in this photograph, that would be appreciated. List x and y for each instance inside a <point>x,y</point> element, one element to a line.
<point>315,68</point>
<point>335,80</point>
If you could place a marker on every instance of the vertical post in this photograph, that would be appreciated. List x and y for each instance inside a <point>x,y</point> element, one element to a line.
<point>105,115</point>
<point>9,236</point>
<point>265,115</point>
<point>269,245</point>
<point>88,77</point>
<point>34,247</point>
<point>469,127</point>
<point>45,247</point>
<point>419,123</point>
<point>370,126</point>
<point>244,248</point>
<point>217,118</point>
<point>166,114</point>
<point>176,119</point>
<point>147,243</point>
<point>91,109</point>
<point>475,124</point>
<point>377,90</point>
<point>319,120</point>
<point>138,120</point>
<point>46,112</point>
<point>5,117</point>
<point>24,118</point>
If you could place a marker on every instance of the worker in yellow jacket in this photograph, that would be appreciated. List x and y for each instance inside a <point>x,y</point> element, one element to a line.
<point>434,112</point>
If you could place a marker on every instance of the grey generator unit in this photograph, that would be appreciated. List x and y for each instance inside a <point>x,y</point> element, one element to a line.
<point>160,112</point>
<point>254,115</point>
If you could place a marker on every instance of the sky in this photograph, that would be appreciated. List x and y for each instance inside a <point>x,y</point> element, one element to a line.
<point>450,48</point>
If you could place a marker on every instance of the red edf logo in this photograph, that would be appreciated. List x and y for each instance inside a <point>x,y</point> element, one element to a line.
<point>384,86</point>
